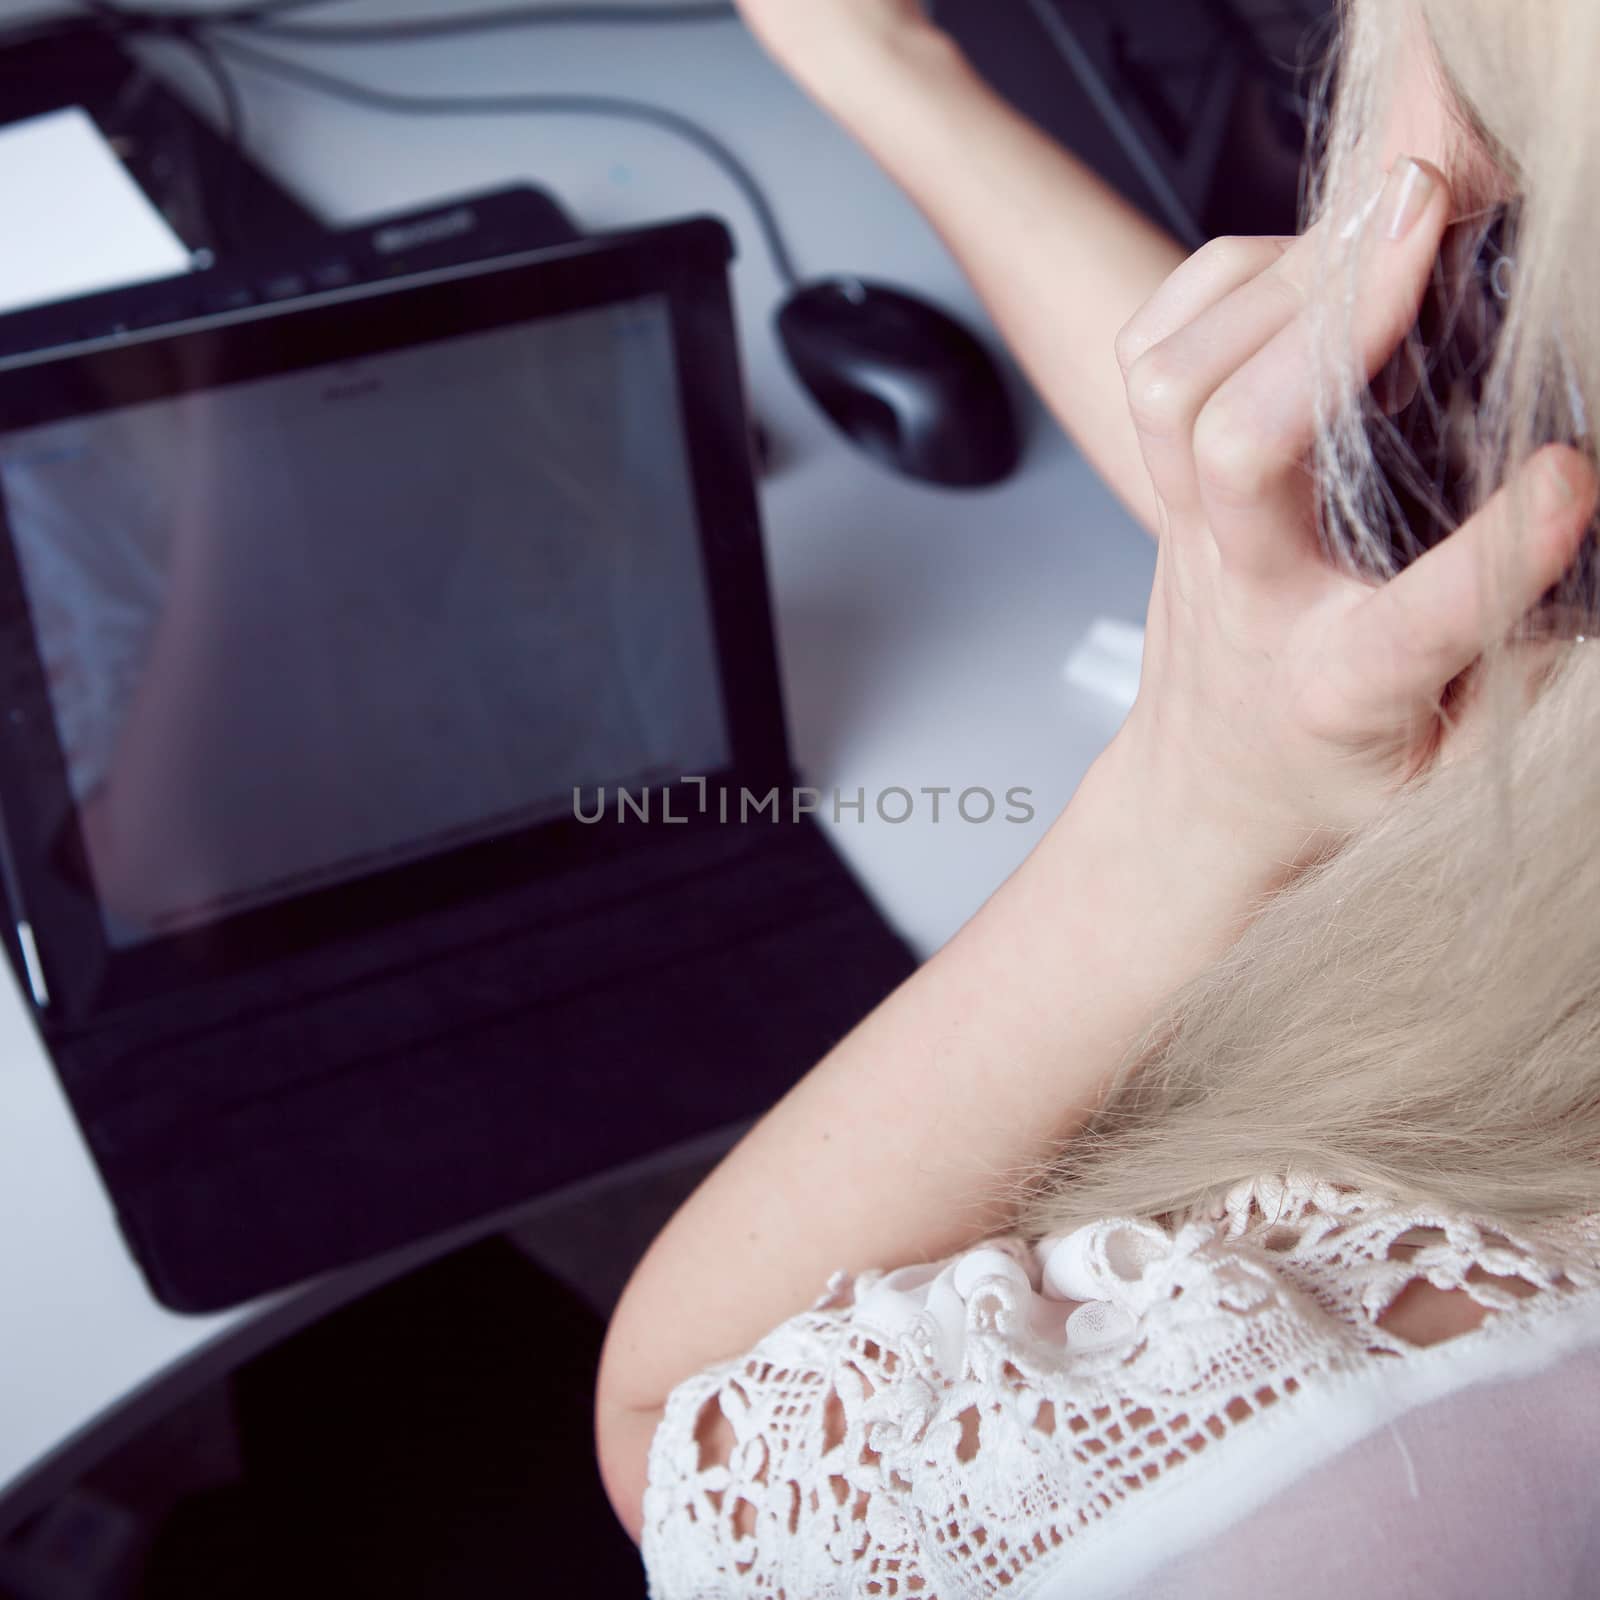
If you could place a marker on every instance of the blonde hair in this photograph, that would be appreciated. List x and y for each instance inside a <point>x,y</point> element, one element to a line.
<point>1419,1015</point>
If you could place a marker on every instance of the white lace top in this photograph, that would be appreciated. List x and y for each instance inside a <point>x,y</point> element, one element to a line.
<point>1128,1410</point>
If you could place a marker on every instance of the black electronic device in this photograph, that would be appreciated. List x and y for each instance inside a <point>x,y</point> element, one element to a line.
<point>333,633</point>
<point>1195,110</point>
<point>903,381</point>
<point>217,201</point>
<point>251,241</point>
<point>476,227</point>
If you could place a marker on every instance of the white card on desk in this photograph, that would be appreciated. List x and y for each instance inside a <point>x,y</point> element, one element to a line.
<point>1109,661</point>
<point>72,219</point>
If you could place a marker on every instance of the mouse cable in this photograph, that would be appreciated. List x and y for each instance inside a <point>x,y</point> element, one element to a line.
<point>188,23</point>
<point>578,105</point>
<point>230,225</point>
<point>261,17</point>
<point>109,18</point>
<point>116,19</point>
<point>527,16</point>
<point>193,29</point>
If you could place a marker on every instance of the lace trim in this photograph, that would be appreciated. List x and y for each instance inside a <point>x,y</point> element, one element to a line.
<point>951,1430</point>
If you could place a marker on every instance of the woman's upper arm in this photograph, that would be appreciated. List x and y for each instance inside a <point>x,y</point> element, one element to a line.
<point>622,1447</point>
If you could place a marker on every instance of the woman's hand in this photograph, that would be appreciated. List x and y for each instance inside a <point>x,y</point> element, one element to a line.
<point>1282,700</point>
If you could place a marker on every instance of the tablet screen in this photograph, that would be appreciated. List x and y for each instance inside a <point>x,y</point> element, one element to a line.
<point>302,628</point>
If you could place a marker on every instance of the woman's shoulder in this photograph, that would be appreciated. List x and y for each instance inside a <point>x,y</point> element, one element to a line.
<point>1055,1382</point>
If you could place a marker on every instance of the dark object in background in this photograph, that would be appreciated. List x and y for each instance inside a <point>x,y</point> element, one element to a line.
<point>1195,110</point>
<point>475,227</point>
<point>1434,388</point>
<point>903,381</point>
<point>431,1442</point>
<point>213,198</point>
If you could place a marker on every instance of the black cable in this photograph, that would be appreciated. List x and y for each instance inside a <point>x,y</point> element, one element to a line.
<point>264,8</point>
<point>202,49</point>
<point>228,224</point>
<point>191,27</point>
<point>579,105</point>
<point>259,16</point>
<point>39,25</point>
<point>180,16</point>
<point>120,20</point>
<point>524,16</point>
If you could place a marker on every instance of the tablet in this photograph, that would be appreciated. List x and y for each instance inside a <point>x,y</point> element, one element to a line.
<point>313,618</point>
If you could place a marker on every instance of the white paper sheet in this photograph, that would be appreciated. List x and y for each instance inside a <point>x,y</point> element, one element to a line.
<point>72,219</point>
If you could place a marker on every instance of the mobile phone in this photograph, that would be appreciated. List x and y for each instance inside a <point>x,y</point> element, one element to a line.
<point>1427,401</point>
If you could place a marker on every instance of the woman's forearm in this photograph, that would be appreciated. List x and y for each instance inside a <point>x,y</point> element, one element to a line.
<point>905,1143</point>
<point>1061,260</point>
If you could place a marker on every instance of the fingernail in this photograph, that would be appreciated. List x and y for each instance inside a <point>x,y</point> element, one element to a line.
<point>1406,196</point>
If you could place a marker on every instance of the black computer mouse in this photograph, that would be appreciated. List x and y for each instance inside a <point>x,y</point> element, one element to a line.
<point>902,380</point>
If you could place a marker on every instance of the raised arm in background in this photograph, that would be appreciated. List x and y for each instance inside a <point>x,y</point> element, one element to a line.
<point>1061,260</point>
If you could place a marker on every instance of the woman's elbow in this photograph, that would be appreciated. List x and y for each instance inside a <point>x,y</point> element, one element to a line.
<point>622,1448</point>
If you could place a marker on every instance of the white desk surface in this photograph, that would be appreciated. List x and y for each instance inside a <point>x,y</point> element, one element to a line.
<point>923,633</point>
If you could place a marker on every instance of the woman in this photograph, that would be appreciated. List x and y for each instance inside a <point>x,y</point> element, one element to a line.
<point>1238,1160</point>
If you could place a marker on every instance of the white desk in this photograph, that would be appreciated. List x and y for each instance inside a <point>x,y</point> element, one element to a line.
<point>923,633</point>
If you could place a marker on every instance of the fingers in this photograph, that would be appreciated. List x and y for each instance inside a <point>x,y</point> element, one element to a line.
<point>1252,440</point>
<point>1222,362</point>
<point>1170,384</point>
<point>1420,630</point>
<point>1210,275</point>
